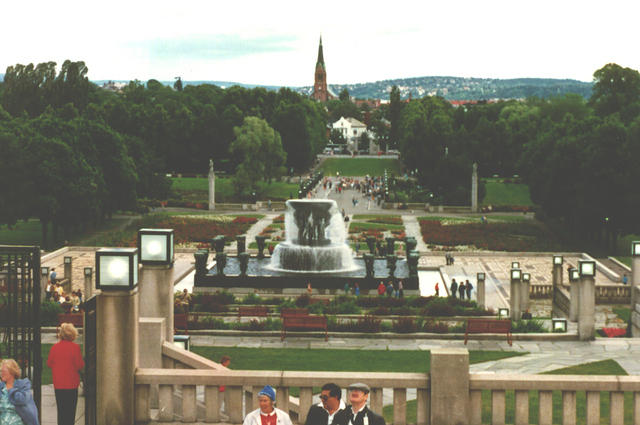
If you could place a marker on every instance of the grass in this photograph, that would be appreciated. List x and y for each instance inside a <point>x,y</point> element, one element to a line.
<point>605,367</point>
<point>624,260</point>
<point>499,193</point>
<point>197,189</point>
<point>373,216</point>
<point>360,166</point>
<point>362,226</point>
<point>623,313</point>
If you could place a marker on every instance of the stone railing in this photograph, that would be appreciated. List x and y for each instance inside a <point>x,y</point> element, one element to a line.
<point>613,294</point>
<point>458,396</point>
<point>544,385</point>
<point>537,291</point>
<point>240,383</point>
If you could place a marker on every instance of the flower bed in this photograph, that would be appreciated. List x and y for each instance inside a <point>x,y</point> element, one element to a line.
<point>490,236</point>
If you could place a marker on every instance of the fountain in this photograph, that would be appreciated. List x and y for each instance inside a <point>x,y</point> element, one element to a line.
<point>315,239</point>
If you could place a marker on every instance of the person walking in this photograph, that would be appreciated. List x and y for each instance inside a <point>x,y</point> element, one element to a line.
<point>468,288</point>
<point>330,405</point>
<point>381,289</point>
<point>453,288</point>
<point>357,413</point>
<point>461,290</point>
<point>65,361</point>
<point>267,413</point>
<point>389,289</point>
<point>400,289</point>
<point>16,400</point>
<point>437,288</point>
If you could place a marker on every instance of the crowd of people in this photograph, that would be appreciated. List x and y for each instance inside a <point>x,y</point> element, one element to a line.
<point>54,291</point>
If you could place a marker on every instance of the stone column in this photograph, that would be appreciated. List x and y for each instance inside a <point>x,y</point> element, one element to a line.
<point>117,356</point>
<point>525,289</point>
<point>152,335</point>
<point>557,275</point>
<point>587,308</point>
<point>514,299</point>
<point>635,309</point>
<point>212,186</point>
<point>480,290</point>
<point>474,188</point>
<point>449,379</point>
<point>88,283</point>
<point>156,295</point>
<point>68,270</point>
<point>574,297</point>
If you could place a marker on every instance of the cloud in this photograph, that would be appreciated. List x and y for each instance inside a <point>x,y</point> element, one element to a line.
<point>212,47</point>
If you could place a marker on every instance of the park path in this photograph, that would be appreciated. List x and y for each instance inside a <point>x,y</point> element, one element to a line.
<point>257,228</point>
<point>412,228</point>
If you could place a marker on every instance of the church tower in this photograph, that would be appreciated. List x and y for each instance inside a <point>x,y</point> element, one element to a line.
<point>320,91</point>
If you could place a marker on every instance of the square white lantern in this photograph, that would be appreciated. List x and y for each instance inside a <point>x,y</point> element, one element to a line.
<point>516,274</point>
<point>88,271</point>
<point>182,341</point>
<point>503,312</point>
<point>587,268</point>
<point>635,248</point>
<point>44,271</point>
<point>515,265</point>
<point>557,260</point>
<point>117,268</point>
<point>526,277</point>
<point>156,246</point>
<point>67,260</point>
<point>559,325</point>
<point>575,274</point>
<point>480,276</point>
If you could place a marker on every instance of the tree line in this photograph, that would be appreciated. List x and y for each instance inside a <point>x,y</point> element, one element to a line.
<point>74,153</point>
<point>579,157</point>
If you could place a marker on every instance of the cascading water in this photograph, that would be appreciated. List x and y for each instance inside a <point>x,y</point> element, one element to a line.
<point>315,239</point>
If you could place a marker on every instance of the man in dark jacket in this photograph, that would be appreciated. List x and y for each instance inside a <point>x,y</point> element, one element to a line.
<point>329,407</point>
<point>453,288</point>
<point>357,413</point>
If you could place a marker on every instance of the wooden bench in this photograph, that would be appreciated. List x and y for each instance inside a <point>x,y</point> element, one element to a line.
<point>76,319</point>
<point>304,323</point>
<point>488,326</point>
<point>258,311</point>
<point>294,312</point>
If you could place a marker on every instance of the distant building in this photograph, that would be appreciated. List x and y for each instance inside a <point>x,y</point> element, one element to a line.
<point>320,90</point>
<point>351,130</point>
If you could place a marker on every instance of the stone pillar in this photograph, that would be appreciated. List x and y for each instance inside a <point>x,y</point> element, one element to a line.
<point>525,289</point>
<point>474,188</point>
<point>557,275</point>
<point>480,293</point>
<point>212,186</point>
<point>574,297</point>
<point>88,283</point>
<point>635,284</point>
<point>152,335</point>
<point>587,308</point>
<point>68,270</point>
<point>117,356</point>
<point>515,309</point>
<point>449,379</point>
<point>156,295</point>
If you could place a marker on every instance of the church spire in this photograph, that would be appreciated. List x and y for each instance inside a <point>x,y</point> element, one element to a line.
<point>320,55</point>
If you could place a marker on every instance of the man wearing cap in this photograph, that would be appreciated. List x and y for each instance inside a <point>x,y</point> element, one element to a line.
<point>327,410</point>
<point>358,413</point>
<point>267,414</point>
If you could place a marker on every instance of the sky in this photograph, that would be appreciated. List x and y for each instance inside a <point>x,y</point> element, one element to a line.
<point>276,42</point>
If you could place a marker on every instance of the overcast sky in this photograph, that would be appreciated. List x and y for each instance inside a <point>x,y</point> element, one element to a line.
<point>276,42</point>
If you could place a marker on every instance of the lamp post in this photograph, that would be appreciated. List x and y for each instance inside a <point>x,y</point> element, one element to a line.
<point>557,270</point>
<point>587,300</point>
<point>88,283</point>
<point>68,271</point>
<point>574,294</point>
<point>480,278</point>
<point>559,325</point>
<point>156,247</point>
<point>514,296</point>
<point>525,288</point>
<point>117,333</point>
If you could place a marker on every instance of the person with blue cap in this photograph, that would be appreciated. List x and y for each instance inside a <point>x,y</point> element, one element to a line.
<point>267,413</point>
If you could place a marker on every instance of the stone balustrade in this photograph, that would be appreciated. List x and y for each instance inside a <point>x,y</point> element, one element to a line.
<point>537,291</point>
<point>605,293</point>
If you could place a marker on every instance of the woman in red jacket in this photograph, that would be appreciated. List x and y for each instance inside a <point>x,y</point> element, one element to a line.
<point>65,361</point>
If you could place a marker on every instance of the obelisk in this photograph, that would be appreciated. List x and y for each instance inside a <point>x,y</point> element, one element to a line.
<point>212,186</point>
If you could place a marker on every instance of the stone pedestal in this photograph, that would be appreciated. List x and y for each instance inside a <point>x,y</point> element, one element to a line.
<point>587,308</point>
<point>117,356</point>
<point>480,292</point>
<point>525,288</point>
<point>68,271</point>
<point>449,386</point>
<point>156,295</point>
<point>635,296</point>
<point>557,275</point>
<point>87,291</point>
<point>515,310</point>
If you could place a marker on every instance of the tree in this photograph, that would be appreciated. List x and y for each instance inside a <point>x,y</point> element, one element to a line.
<point>344,95</point>
<point>261,149</point>
<point>616,90</point>
<point>395,111</point>
<point>336,137</point>
<point>178,84</point>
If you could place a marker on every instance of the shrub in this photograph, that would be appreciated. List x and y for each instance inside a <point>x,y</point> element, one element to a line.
<point>381,311</point>
<point>404,325</point>
<point>303,301</point>
<point>368,324</point>
<point>419,301</point>
<point>432,326</point>
<point>251,299</point>
<point>403,311</point>
<point>347,306</point>
<point>528,326</point>
<point>286,303</point>
<point>220,297</point>
<point>49,311</point>
<point>208,322</point>
<point>317,308</point>
<point>438,307</point>
<point>212,308</point>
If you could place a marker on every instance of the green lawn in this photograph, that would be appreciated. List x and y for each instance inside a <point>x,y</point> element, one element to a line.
<point>366,217</point>
<point>197,189</point>
<point>624,260</point>
<point>506,193</point>
<point>360,166</point>
<point>605,367</point>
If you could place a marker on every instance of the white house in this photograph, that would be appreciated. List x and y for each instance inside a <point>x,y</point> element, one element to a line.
<point>351,129</point>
